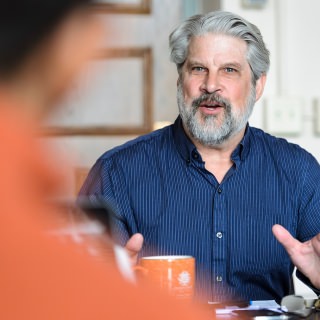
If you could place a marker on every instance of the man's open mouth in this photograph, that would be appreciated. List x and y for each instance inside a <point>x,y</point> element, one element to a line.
<point>211,105</point>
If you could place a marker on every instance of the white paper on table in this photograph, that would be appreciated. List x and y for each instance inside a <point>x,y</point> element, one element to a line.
<point>271,305</point>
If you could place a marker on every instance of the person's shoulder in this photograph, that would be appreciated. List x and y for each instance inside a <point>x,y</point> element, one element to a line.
<point>279,146</point>
<point>145,144</point>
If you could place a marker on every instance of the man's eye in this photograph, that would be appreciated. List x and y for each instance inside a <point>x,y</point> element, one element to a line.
<point>230,70</point>
<point>198,69</point>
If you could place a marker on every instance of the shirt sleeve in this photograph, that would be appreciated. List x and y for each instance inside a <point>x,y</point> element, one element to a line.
<point>105,180</point>
<point>309,211</point>
<point>309,217</point>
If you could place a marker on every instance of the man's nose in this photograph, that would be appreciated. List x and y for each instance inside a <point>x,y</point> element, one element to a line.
<point>211,83</point>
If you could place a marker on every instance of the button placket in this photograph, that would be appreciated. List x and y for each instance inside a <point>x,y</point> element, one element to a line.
<point>220,252</point>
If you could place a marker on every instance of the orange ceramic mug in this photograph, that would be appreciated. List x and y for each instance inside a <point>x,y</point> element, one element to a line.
<point>175,274</point>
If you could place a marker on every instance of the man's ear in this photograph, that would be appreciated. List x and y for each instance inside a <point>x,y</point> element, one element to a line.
<point>179,80</point>
<point>260,86</point>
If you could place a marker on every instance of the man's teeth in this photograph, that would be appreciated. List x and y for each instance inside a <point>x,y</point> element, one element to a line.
<point>212,107</point>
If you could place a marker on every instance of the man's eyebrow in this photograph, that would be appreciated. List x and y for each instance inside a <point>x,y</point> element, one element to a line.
<point>192,62</point>
<point>232,64</point>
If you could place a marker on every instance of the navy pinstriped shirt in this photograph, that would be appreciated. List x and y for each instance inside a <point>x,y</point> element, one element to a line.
<point>160,187</point>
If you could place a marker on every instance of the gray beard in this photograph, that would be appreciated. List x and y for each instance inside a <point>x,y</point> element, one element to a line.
<point>209,132</point>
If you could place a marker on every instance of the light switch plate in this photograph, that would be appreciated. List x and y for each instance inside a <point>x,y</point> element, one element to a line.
<point>317,116</point>
<point>254,4</point>
<point>283,115</point>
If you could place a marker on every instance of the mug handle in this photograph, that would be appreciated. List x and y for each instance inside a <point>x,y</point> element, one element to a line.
<point>140,272</point>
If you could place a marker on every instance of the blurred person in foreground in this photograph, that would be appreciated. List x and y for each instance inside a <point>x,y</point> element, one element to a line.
<point>212,186</point>
<point>43,45</point>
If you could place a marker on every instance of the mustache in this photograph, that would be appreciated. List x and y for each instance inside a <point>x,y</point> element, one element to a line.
<point>211,98</point>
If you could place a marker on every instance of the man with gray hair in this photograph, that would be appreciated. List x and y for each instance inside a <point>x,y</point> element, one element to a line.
<point>212,186</point>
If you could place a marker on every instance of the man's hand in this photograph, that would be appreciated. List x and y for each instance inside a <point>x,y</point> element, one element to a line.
<point>305,256</point>
<point>133,247</point>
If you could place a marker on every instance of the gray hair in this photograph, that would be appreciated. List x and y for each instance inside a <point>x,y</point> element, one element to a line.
<point>221,22</point>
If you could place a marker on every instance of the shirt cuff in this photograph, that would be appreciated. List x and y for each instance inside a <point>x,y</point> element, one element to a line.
<point>307,282</point>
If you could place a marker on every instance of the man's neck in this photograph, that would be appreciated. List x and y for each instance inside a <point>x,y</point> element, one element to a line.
<point>218,158</point>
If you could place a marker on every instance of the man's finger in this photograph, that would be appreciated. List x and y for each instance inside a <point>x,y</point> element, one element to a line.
<point>134,244</point>
<point>285,238</point>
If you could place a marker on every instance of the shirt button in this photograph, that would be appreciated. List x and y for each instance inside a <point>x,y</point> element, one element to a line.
<point>219,190</point>
<point>195,155</point>
<point>219,235</point>
<point>219,278</point>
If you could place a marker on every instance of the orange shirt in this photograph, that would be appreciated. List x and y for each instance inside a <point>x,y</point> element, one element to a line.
<point>41,278</point>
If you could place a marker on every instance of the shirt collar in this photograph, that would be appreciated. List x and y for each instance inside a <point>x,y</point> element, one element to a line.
<point>188,150</point>
<point>242,150</point>
<point>184,145</point>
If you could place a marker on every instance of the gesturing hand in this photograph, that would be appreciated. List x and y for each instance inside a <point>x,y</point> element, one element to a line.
<point>133,247</point>
<point>305,256</point>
